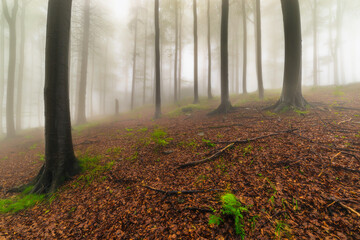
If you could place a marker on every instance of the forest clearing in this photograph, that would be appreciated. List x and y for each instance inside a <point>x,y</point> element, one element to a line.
<point>299,181</point>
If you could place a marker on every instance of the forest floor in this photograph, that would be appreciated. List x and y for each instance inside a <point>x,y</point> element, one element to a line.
<point>297,173</point>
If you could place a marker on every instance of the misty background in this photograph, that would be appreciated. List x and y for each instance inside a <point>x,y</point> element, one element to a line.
<point>116,25</point>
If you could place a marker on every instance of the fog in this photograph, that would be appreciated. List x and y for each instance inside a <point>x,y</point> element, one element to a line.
<point>114,70</point>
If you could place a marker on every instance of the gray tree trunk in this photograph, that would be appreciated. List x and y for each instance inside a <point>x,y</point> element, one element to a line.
<point>258,49</point>
<point>11,20</point>
<point>209,50</point>
<point>196,90</point>
<point>176,52</point>
<point>81,108</point>
<point>134,64</point>
<point>157,62</point>
<point>244,17</point>
<point>60,162</point>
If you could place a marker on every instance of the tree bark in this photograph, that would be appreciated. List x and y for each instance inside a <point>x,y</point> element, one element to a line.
<point>2,72</point>
<point>180,52</point>
<point>196,90</point>
<point>134,64</point>
<point>81,108</point>
<point>157,63</point>
<point>60,162</point>
<point>11,20</point>
<point>225,105</point>
<point>244,17</point>
<point>258,49</point>
<point>209,50</point>
<point>291,95</point>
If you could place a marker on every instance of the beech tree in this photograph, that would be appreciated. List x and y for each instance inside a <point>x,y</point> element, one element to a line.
<point>244,23</point>
<point>225,105</point>
<point>258,49</point>
<point>196,90</point>
<point>157,62</point>
<point>209,50</point>
<point>60,161</point>
<point>81,103</point>
<point>11,20</point>
<point>291,95</point>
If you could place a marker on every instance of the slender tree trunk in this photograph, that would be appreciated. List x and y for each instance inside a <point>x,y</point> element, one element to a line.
<point>180,51</point>
<point>337,43</point>
<point>157,62</point>
<point>21,69</point>
<point>209,50</point>
<point>2,72</point>
<point>11,20</point>
<point>134,63</point>
<point>92,80</point>
<point>145,59</point>
<point>315,36</point>
<point>81,109</point>
<point>244,17</point>
<point>259,50</point>
<point>196,90</point>
<point>104,82</point>
<point>176,51</point>
<point>225,105</point>
<point>291,95</point>
<point>237,67</point>
<point>60,162</point>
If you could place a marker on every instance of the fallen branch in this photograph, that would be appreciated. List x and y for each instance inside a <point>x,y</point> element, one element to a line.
<point>232,143</point>
<point>344,206</point>
<point>346,108</point>
<point>223,126</point>
<point>172,193</point>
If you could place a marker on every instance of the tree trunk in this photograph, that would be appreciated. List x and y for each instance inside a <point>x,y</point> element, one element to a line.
<point>60,162</point>
<point>145,58</point>
<point>209,50</point>
<point>176,51</point>
<point>291,95</point>
<point>244,17</point>
<point>196,90</point>
<point>11,20</point>
<point>225,105</point>
<point>21,69</point>
<point>315,57</point>
<point>337,42</point>
<point>134,64</point>
<point>180,52</point>
<point>157,62</point>
<point>2,72</point>
<point>81,108</point>
<point>259,50</point>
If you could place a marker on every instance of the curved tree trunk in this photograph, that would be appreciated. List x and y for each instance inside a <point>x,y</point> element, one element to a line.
<point>60,163</point>
<point>225,105</point>
<point>11,20</point>
<point>157,62</point>
<point>291,95</point>
<point>196,90</point>
<point>81,108</point>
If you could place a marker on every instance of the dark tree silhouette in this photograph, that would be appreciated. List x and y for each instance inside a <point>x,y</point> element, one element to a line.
<point>225,105</point>
<point>11,20</point>
<point>196,90</point>
<point>60,162</point>
<point>291,95</point>
<point>157,62</point>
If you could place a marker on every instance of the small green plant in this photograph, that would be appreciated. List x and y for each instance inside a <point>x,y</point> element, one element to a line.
<point>232,206</point>
<point>247,150</point>
<point>219,136</point>
<point>281,228</point>
<point>4,158</point>
<point>116,150</point>
<point>129,129</point>
<point>32,147</point>
<point>41,157</point>
<point>208,143</point>
<point>301,112</point>
<point>269,113</point>
<point>295,204</point>
<point>158,136</point>
<point>143,129</point>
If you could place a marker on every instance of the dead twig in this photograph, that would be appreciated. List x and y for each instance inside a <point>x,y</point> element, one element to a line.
<point>223,126</point>
<point>172,193</point>
<point>339,201</point>
<point>232,143</point>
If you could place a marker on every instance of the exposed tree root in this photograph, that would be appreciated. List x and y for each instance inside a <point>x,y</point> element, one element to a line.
<point>232,143</point>
<point>281,105</point>
<point>224,108</point>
